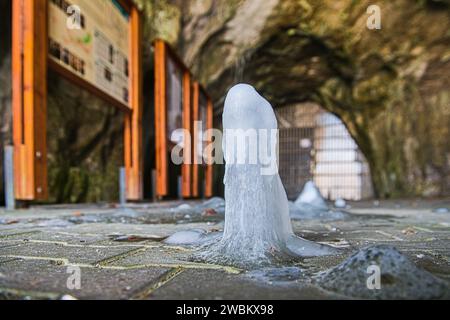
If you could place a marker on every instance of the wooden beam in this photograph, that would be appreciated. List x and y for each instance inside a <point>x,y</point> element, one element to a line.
<point>160,118</point>
<point>29,60</point>
<point>133,121</point>
<point>187,151</point>
<point>209,165</point>
<point>195,118</point>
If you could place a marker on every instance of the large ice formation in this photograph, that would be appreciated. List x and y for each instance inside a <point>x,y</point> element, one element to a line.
<point>257,227</point>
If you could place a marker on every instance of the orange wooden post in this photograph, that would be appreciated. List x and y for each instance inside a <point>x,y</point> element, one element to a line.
<point>133,121</point>
<point>162,52</point>
<point>29,66</point>
<point>160,118</point>
<point>209,166</point>
<point>195,119</point>
<point>187,151</point>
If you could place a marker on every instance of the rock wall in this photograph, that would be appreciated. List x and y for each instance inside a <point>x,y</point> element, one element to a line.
<point>85,145</point>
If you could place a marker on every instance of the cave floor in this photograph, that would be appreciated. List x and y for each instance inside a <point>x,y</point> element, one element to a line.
<point>118,253</point>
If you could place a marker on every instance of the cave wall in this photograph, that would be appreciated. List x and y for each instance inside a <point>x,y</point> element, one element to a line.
<point>85,145</point>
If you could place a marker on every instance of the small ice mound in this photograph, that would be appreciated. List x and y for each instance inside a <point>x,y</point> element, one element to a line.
<point>306,211</point>
<point>441,210</point>
<point>55,223</point>
<point>183,210</point>
<point>283,275</point>
<point>399,277</point>
<point>186,237</point>
<point>340,203</point>
<point>191,237</point>
<point>311,195</point>
<point>182,207</point>
<point>311,205</point>
<point>216,203</point>
<point>126,213</point>
<point>305,248</point>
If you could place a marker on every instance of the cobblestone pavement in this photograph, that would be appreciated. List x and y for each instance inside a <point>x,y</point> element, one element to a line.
<point>119,252</point>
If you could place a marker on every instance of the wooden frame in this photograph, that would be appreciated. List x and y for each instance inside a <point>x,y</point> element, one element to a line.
<point>187,155</point>
<point>162,52</point>
<point>29,86</point>
<point>133,122</point>
<point>209,166</point>
<point>30,61</point>
<point>195,117</point>
<point>209,125</point>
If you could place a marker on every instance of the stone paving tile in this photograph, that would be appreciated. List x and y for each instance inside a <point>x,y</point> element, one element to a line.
<point>157,230</point>
<point>212,284</point>
<point>4,260</point>
<point>160,255</point>
<point>75,254</point>
<point>55,236</point>
<point>43,279</point>
<point>6,232</point>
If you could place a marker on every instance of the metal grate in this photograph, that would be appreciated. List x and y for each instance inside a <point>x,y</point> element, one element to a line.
<point>315,145</point>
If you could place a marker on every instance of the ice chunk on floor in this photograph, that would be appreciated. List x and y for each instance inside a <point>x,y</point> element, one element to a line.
<point>191,237</point>
<point>127,213</point>
<point>54,223</point>
<point>215,203</point>
<point>340,203</point>
<point>441,210</point>
<point>188,211</point>
<point>306,211</point>
<point>183,208</point>
<point>186,237</point>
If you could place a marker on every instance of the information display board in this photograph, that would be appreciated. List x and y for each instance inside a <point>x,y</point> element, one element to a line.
<point>91,40</point>
<point>95,45</point>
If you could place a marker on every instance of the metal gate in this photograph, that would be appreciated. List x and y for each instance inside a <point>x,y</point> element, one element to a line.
<point>315,145</point>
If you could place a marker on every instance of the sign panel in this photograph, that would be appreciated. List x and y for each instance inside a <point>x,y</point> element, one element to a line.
<point>91,40</point>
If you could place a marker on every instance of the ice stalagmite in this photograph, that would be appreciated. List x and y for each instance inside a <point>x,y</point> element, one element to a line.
<point>257,228</point>
<point>311,205</point>
<point>311,195</point>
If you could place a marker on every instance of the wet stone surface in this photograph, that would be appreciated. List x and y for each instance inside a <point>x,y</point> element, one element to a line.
<point>122,253</point>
